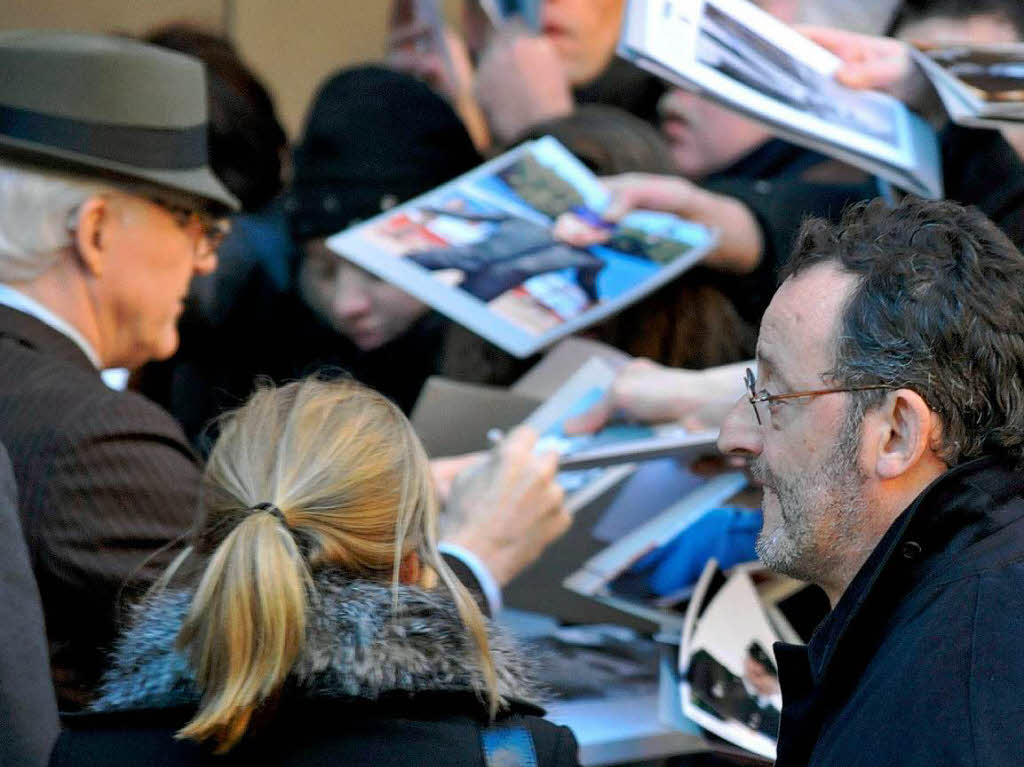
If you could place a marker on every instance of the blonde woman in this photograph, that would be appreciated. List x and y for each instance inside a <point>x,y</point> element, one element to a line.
<point>324,627</point>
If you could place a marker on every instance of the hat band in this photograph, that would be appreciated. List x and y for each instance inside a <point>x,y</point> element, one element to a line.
<point>157,148</point>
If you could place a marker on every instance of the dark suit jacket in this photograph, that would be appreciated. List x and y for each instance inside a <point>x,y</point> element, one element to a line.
<point>108,487</point>
<point>107,483</point>
<point>28,710</point>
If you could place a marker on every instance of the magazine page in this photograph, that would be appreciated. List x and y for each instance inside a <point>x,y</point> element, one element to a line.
<point>729,680</point>
<point>597,573</point>
<point>479,249</point>
<point>978,84</point>
<point>617,442</point>
<point>733,52</point>
<point>581,486</point>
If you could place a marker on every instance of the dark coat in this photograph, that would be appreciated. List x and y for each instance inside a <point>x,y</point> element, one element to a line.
<point>108,490</point>
<point>370,688</point>
<point>105,480</point>
<point>979,169</point>
<point>920,663</point>
<point>28,709</point>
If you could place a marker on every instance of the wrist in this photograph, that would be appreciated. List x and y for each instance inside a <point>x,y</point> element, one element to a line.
<point>741,241</point>
<point>497,559</point>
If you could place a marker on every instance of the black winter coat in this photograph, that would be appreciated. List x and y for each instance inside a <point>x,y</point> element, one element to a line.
<point>920,663</point>
<point>366,690</point>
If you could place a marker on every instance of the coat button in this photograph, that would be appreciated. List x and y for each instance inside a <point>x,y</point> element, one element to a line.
<point>911,550</point>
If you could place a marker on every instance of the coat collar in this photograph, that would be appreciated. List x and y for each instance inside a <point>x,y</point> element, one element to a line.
<point>773,158</point>
<point>356,649</point>
<point>931,540</point>
<point>35,334</point>
<point>957,509</point>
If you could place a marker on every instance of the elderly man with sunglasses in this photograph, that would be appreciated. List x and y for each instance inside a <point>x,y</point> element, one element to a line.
<point>107,210</point>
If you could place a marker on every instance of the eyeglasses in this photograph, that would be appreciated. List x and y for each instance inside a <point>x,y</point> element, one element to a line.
<point>212,230</point>
<point>757,397</point>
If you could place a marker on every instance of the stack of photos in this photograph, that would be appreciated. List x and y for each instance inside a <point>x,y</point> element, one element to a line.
<point>729,683</point>
<point>608,576</point>
<point>980,85</point>
<point>480,249</point>
<point>732,52</point>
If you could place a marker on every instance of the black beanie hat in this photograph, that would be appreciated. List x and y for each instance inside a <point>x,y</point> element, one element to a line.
<point>374,137</point>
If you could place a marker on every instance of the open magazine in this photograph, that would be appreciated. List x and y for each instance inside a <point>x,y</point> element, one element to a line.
<point>605,577</point>
<point>732,52</point>
<point>729,683</point>
<point>981,86</point>
<point>618,441</point>
<point>479,249</point>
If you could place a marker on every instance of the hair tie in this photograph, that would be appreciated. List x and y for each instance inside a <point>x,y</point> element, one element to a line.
<point>272,510</point>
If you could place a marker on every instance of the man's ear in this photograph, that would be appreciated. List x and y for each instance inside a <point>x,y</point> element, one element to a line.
<point>904,428</point>
<point>90,221</point>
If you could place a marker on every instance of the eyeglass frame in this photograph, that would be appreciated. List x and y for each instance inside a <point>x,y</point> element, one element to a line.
<point>754,397</point>
<point>213,230</point>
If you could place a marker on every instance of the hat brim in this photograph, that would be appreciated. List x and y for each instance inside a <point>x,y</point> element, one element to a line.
<point>199,183</point>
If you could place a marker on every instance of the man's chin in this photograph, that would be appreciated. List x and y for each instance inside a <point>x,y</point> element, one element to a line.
<point>367,341</point>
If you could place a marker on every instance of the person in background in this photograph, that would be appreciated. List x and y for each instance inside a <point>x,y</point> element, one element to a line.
<point>514,77</point>
<point>249,152</point>
<point>372,139</point>
<point>759,219</point>
<point>325,627</point>
<point>954,22</point>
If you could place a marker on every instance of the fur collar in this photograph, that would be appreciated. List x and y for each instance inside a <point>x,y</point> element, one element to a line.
<point>354,649</point>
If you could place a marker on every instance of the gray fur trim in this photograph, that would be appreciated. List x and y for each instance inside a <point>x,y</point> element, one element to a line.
<point>353,649</point>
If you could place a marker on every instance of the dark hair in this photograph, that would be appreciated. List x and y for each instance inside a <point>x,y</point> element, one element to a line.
<point>246,137</point>
<point>373,138</point>
<point>939,309</point>
<point>911,11</point>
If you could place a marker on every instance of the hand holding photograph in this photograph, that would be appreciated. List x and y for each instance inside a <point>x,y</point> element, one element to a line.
<point>734,53</point>
<point>981,86</point>
<point>480,249</point>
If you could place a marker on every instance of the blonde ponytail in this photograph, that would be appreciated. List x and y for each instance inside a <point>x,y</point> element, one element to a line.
<point>245,627</point>
<point>353,482</point>
<point>418,492</point>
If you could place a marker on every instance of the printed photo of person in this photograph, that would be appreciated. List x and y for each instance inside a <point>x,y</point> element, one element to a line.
<point>738,52</point>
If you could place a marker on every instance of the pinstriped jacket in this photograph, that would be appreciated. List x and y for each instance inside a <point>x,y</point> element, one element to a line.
<point>108,490</point>
<point>107,485</point>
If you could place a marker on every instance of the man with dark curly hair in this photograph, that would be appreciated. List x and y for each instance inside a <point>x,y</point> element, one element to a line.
<point>886,424</point>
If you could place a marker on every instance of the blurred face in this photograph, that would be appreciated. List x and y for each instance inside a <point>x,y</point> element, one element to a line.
<point>703,137</point>
<point>805,453</point>
<point>150,256</point>
<point>584,33</point>
<point>981,29</point>
<point>364,309</point>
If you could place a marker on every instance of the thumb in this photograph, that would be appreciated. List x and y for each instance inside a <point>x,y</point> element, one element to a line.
<point>622,202</point>
<point>590,421</point>
<point>868,75</point>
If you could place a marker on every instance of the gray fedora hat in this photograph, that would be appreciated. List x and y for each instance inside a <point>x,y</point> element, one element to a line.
<point>107,107</point>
